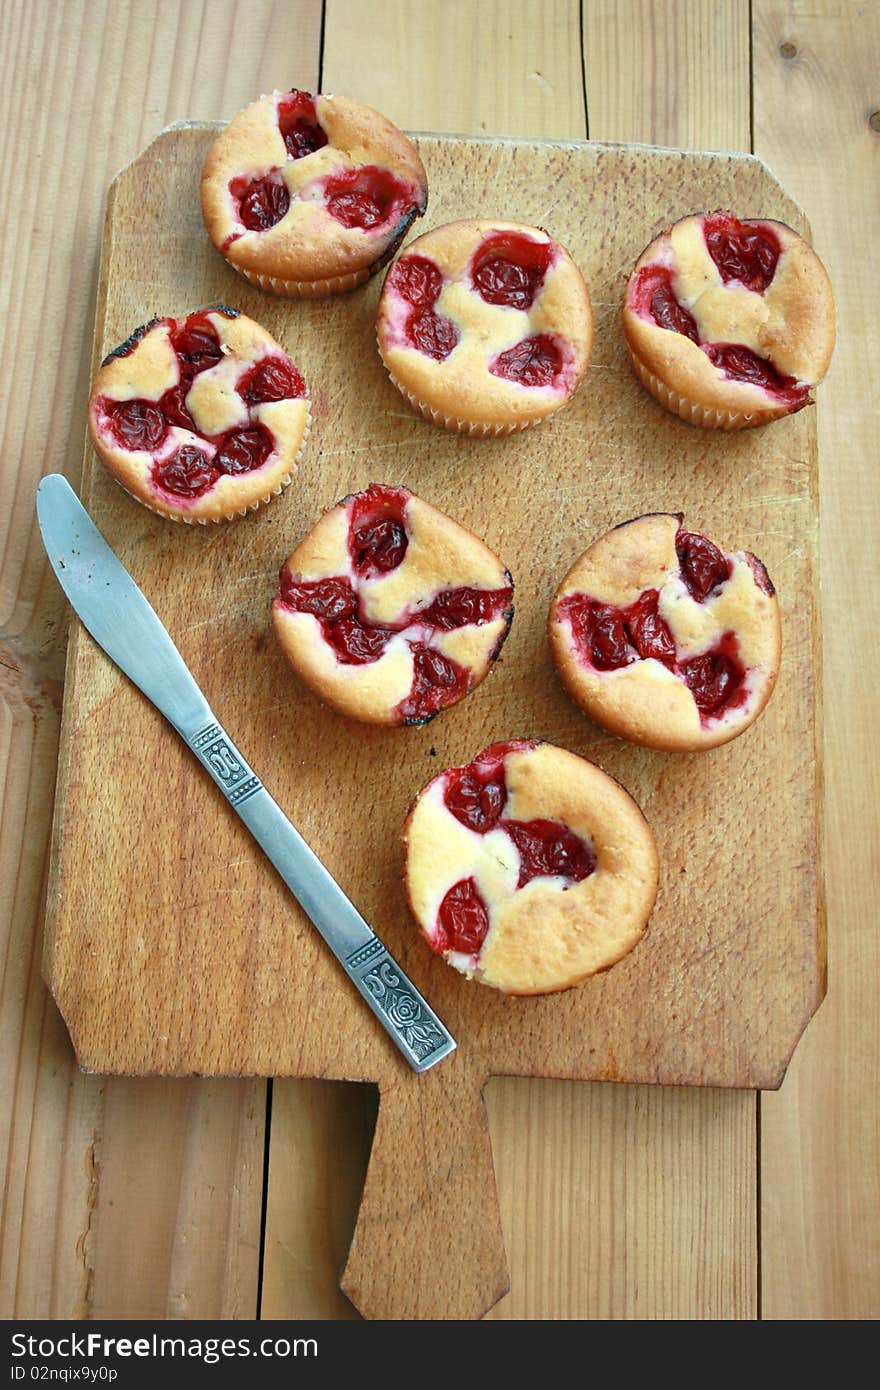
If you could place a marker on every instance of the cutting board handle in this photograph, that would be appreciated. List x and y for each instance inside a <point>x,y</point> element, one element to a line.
<point>428,1241</point>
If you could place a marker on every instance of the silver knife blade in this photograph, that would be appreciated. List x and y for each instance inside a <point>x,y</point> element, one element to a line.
<point>113,609</point>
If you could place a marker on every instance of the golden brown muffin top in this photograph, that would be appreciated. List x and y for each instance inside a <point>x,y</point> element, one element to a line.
<point>389,610</point>
<point>305,188</point>
<point>664,638</point>
<point>199,417</point>
<point>488,322</point>
<point>733,314</point>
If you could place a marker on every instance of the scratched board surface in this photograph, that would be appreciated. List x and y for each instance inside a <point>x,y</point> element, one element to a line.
<point>171,945</point>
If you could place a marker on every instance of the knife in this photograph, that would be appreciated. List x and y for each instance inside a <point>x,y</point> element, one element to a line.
<point>113,609</point>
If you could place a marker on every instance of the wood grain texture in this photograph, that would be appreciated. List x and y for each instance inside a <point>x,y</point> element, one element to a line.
<point>145,980</point>
<point>178,1176</point>
<point>500,67</point>
<point>322,1132</point>
<point>85,83</point>
<point>816,88</point>
<point>428,1241</point>
<point>671,72</point>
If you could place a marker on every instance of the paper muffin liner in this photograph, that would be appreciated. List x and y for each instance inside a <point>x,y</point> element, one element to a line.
<point>238,511</point>
<point>305,289</point>
<point>706,417</point>
<point>462,426</point>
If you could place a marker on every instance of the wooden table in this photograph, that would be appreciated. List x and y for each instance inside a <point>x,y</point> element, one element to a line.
<point>232,1199</point>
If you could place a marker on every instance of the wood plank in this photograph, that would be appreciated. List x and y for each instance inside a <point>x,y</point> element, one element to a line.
<point>396,55</point>
<point>642,1217</point>
<point>502,67</point>
<point>671,72</point>
<point>177,1173</point>
<point>816,90</point>
<point>322,1132</point>
<point>140,67</point>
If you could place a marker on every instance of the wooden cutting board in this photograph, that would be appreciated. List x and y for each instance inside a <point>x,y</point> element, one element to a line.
<point>171,946</point>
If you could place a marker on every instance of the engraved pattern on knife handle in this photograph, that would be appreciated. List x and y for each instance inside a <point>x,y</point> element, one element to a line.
<point>216,751</point>
<point>401,1010</point>
<point>410,1017</point>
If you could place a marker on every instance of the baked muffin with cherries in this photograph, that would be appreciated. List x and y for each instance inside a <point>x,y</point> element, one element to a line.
<point>665,639</point>
<point>200,418</point>
<point>529,869</point>
<point>729,323</point>
<point>389,610</point>
<point>310,195</point>
<point>485,327</point>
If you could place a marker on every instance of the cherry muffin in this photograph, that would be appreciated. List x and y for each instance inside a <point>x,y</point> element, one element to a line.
<point>729,323</point>
<point>200,418</point>
<point>529,869</point>
<point>310,195</point>
<point>389,610</point>
<point>485,327</point>
<point>663,638</point>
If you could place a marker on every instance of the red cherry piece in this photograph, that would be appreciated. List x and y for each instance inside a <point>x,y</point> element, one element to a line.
<point>417,280</point>
<point>187,473</point>
<point>136,424</point>
<point>377,538</point>
<point>476,794</point>
<point>648,632</point>
<point>462,921</point>
<point>434,673</point>
<point>653,295</point>
<point>762,578</point>
<point>380,545</point>
<point>298,122</point>
<point>432,334</point>
<point>459,607</point>
<point>197,346</point>
<point>715,679</point>
<point>356,644</point>
<point>532,362</point>
<point>669,313</point>
<point>703,565</point>
<point>437,682</point>
<point>609,647</point>
<point>261,202</point>
<point>366,198</point>
<point>599,632</point>
<point>272,380</point>
<point>509,269</point>
<point>741,364</point>
<point>242,451</point>
<point>548,848</point>
<point>173,405</point>
<point>330,599</point>
<point>741,252</point>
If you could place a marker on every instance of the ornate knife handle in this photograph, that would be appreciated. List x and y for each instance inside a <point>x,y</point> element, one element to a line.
<point>400,1008</point>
